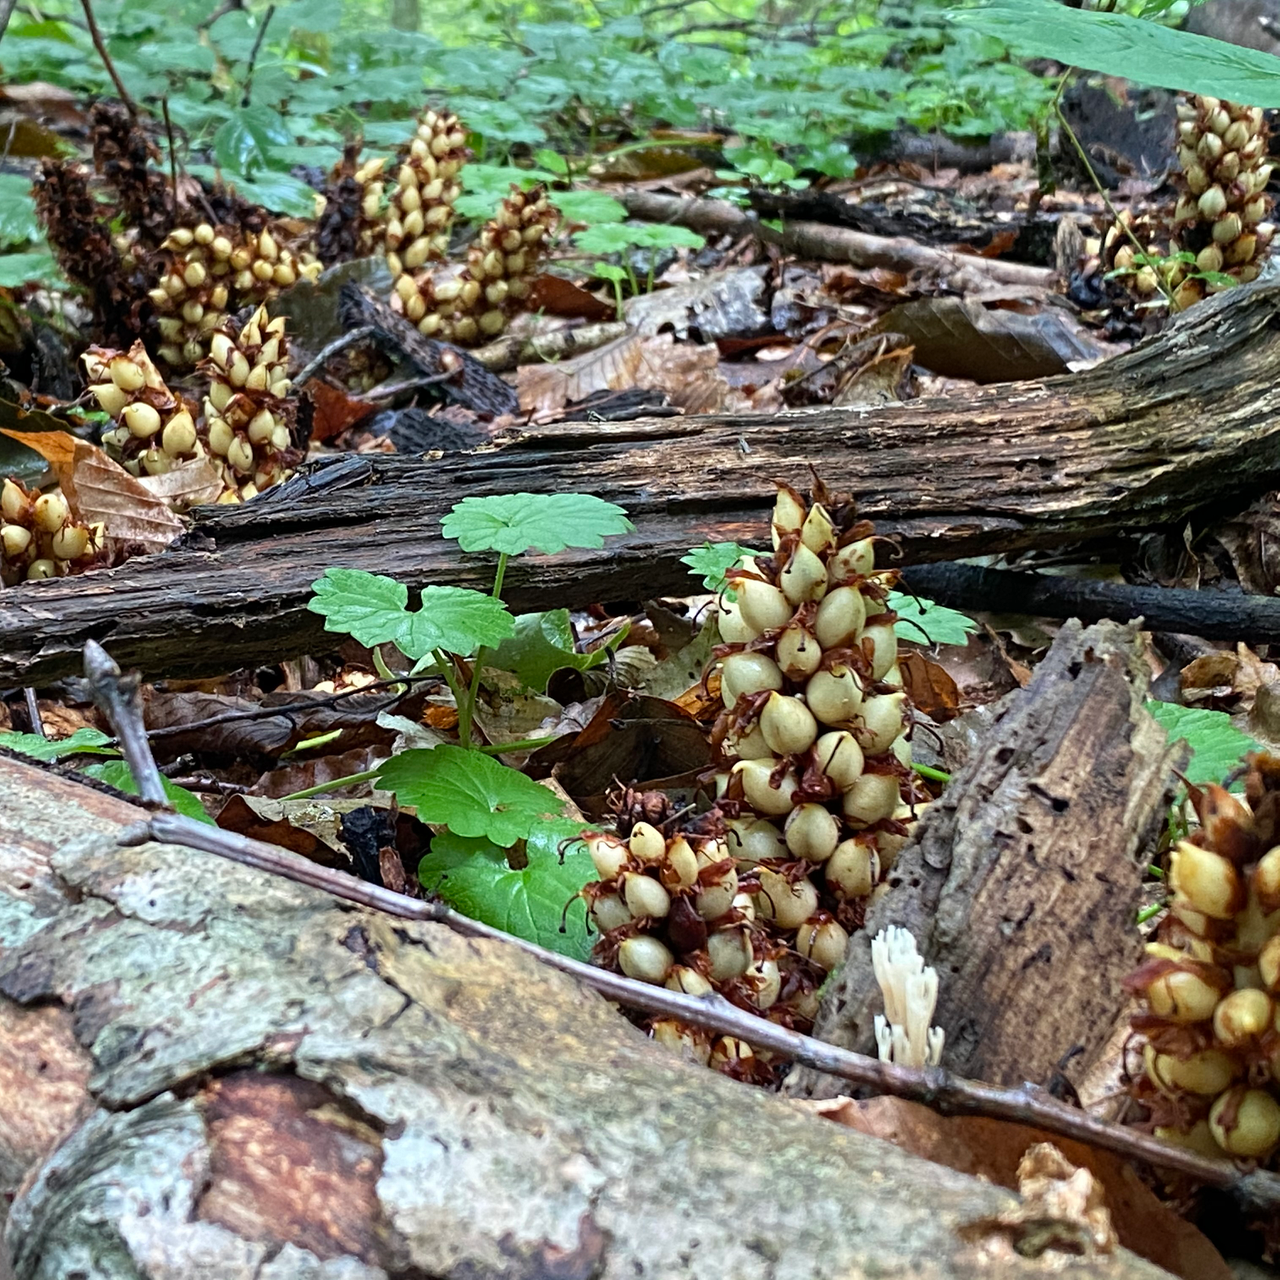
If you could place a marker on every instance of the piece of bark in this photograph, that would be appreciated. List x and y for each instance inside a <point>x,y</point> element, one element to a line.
<point>1022,880</point>
<point>1184,420</point>
<point>283,1087</point>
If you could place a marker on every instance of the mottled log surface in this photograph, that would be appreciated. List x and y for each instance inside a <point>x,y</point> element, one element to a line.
<point>1022,880</point>
<point>261,1084</point>
<point>1186,419</point>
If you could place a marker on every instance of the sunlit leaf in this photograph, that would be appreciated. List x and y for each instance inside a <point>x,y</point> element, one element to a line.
<point>513,523</point>
<point>475,877</point>
<point>373,609</point>
<point>470,793</point>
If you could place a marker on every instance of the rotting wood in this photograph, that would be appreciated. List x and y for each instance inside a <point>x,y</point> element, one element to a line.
<point>439,1105</point>
<point>1022,881</point>
<point>1185,420</point>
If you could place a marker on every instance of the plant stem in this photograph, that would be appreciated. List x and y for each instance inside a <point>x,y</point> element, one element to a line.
<point>100,45</point>
<point>334,784</point>
<point>466,713</point>
<point>525,744</point>
<point>928,771</point>
<point>1153,910</point>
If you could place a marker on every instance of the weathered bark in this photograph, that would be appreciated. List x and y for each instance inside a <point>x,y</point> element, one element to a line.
<point>1022,880</point>
<point>1187,419</point>
<point>268,1085</point>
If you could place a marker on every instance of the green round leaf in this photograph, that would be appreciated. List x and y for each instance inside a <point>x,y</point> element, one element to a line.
<point>542,645</point>
<point>470,793</point>
<point>513,523</point>
<point>1217,746</point>
<point>924,621</point>
<point>474,877</point>
<point>371,608</point>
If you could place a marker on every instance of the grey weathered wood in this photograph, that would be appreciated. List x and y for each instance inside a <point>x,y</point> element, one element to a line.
<point>276,1086</point>
<point>1189,418</point>
<point>1022,881</point>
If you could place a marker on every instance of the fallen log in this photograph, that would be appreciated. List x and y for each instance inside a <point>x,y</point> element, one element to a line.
<point>251,1080</point>
<point>1185,420</point>
<point>1022,882</point>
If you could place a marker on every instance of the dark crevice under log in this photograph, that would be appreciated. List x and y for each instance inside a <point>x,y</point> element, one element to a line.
<point>1186,420</point>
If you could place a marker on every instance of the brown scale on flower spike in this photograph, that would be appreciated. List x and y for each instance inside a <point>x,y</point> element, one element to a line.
<point>352,223</point>
<point>755,899</point>
<point>127,159</point>
<point>1208,1028</point>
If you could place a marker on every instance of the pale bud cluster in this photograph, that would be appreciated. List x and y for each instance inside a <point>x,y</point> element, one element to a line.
<point>815,726</point>
<point>1211,984</point>
<point>472,302</point>
<point>247,420</point>
<point>420,210</point>
<point>211,271</point>
<point>1223,214</point>
<point>39,538</point>
<point>757,898</point>
<point>153,428</point>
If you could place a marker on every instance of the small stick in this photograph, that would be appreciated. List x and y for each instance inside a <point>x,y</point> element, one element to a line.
<point>253,55</point>
<point>934,1087</point>
<point>6,12</point>
<point>173,156</point>
<point>334,348</point>
<point>33,712</point>
<point>100,45</point>
<point>117,698</point>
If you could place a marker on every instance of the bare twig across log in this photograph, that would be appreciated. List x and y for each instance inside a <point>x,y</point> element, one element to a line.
<point>212,1071</point>
<point>1185,420</point>
<point>960,271</point>
<point>1215,615</point>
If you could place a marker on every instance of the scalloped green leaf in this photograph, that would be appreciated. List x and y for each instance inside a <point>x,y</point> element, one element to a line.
<point>543,644</point>
<point>1217,746</point>
<point>924,622</point>
<point>712,559</point>
<point>475,877</point>
<point>514,523</point>
<point>86,741</point>
<point>372,609</point>
<point>118,774</point>
<point>470,793</point>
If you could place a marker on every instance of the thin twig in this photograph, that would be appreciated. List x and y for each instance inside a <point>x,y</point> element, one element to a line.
<point>253,55</point>
<point>117,698</point>
<point>6,12</point>
<point>336,347</point>
<point>932,1086</point>
<point>33,712</point>
<point>173,155</point>
<point>100,45</point>
<point>388,391</point>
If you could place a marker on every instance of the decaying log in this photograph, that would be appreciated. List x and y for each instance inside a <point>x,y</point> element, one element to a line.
<point>260,1083</point>
<point>1187,419</point>
<point>1022,881</point>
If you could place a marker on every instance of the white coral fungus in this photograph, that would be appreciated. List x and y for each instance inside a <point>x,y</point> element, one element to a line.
<point>910,991</point>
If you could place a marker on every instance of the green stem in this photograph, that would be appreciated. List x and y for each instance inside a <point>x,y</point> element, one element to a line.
<point>334,784</point>
<point>1148,912</point>
<point>499,574</point>
<point>467,705</point>
<point>525,744</point>
<point>928,771</point>
<point>445,662</point>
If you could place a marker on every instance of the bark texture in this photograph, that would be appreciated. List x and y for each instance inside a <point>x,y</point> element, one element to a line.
<point>1186,419</point>
<point>1022,880</point>
<point>273,1086</point>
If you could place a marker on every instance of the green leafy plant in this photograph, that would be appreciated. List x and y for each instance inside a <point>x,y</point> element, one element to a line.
<point>111,769</point>
<point>622,238</point>
<point>507,817</point>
